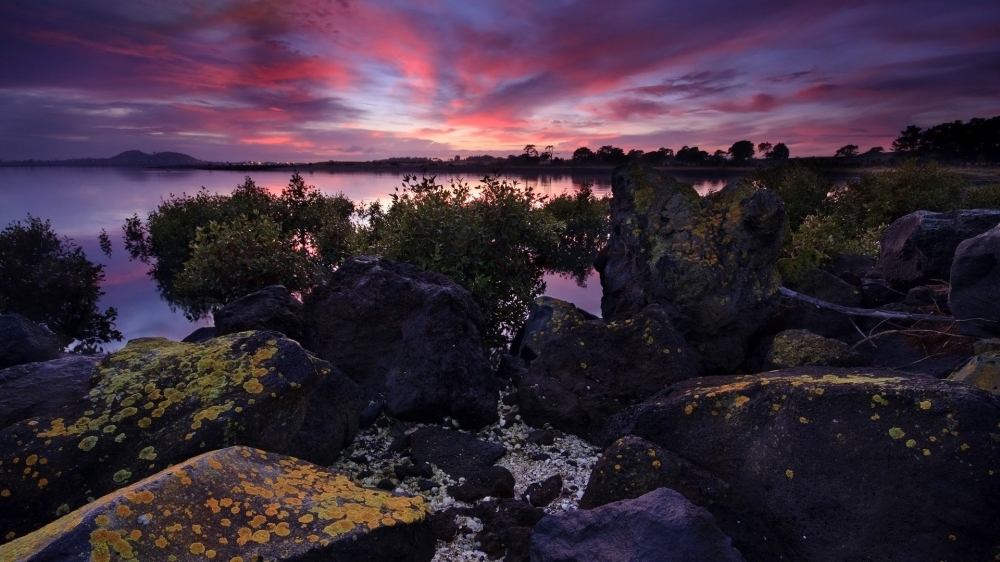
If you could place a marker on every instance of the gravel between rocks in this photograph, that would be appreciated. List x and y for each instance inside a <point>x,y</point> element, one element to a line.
<point>569,456</point>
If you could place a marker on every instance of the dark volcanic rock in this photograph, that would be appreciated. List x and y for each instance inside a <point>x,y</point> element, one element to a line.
<point>541,494</point>
<point>455,452</point>
<point>918,249</point>
<point>153,404</point>
<point>412,335</point>
<point>661,525</point>
<point>23,341</point>
<point>982,371</point>
<point>200,335</point>
<point>975,285</point>
<point>507,527</point>
<point>545,316</point>
<point>271,308</point>
<point>841,464</point>
<point>331,421</point>
<point>40,389</point>
<point>587,370</point>
<point>494,481</point>
<point>824,286</point>
<point>802,348</point>
<point>632,466</point>
<point>710,262</point>
<point>183,513</point>
<point>926,352</point>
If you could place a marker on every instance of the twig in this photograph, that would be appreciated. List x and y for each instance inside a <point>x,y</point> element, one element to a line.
<point>868,313</point>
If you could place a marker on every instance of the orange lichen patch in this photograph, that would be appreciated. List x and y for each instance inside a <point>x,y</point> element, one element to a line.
<point>741,400</point>
<point>144,423</point>
<point>282,530</point>
<point>5,493</point>
<point>140,497</point>
<point>307,518</point>
<point>258,521</point>
<point>213,504</point>
<point>210,554</point>
<point>103,541</point>
<point>135,535</point>
<point>196,529</point>
<point>211,413</point>
<point>31,460</point>
<point>161,542</point>
<point>260,536</point>
<point>214,464</point>
<point>123,511</point>
<point>42,482</point>
<point>87,443</point>
<point>102,520</point>
<point>339,528</point>
<point>253,386</point>
<point>197,548</point>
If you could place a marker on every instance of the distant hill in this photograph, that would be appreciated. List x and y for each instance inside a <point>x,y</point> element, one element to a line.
<point>140,158</point>
<point>131,158</point>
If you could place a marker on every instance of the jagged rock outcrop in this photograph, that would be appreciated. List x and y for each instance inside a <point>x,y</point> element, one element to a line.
<point>40,389</point>
<point>710,262</point>
<point>238,504</point>
<point>271,308</point>
<point>410,335</point>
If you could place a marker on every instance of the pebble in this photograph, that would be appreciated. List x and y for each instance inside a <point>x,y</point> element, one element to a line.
<point>572,458</point>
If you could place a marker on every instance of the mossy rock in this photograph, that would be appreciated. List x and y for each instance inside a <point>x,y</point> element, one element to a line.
<point>710,262</point>
<point>802,348</point>
<point>153,404</point>
<point>982,371</point>
<point>831,464</point>
<point>240,504</point>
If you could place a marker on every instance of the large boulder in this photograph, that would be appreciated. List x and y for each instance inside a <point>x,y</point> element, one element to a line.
<point>271,308</point>
<point>710,262</point>
<point>918,249</point>
<point>237,504</point>
<point>661,525</point>
<point>40,389</point>
<point>23,341</point>
<point>975,285</point>
<point>412,335</point>
<point>153,404</point>
<point>586,370</point>
<point>827,287</point>
<point>982,371</point>
<point>456,452</point>
<point>838,464</point>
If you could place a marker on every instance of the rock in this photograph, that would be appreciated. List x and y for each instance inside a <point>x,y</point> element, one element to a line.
<point>413,335</point>
<point>983,347</point>
<point>927,350</point>
<point>542,437</point>
<point>493,481</point>
<point>975,284</point>
<point>39,389</point>
<point>546,316</point>
<point>850,266</point>
<point>541,494</point>
<point>841,464</point>
<point>587,370</point>
<point>710,262</point>
<point>153,404</point>
<point>331,422</point>
<point>631,467</point>
<point>271,308</point>
<point>928,299</point>
<point>507,527</point>
<point>918,248</point>
<point>819,284</point>
<point>23,341</point>
<point>445,526</point>
<point>200,335</point>
<point>660,525</point>
<point>455,452</point>
<point>238,504</point>
<point>876,292</point>
<point>982,371</point>
<point>801,348</point>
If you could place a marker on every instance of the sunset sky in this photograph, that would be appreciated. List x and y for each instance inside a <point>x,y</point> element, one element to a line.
<point>309,80</point>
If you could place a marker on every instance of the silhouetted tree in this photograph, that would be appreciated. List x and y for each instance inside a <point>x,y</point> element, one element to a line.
<point>611,154</point>
<point>741,151</point>
<point>908,140</point>
<point>635,155</point>
<point>691,155</point>
<point>764,149</point>
<point>530,151</point>
<point>582,155</point>
<point>779,152</point>
<point>847,150</point>
<point>875,151</point>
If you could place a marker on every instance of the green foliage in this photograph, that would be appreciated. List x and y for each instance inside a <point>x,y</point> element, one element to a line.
<point>585,220</point>
<point>821,237</point>
<point>51,281</point>
<point>230,260</point>
<point>982,197</point>
<point>800,186</point>
<point>491,243</point>
<point>317,225</point>
<point>881,197</point>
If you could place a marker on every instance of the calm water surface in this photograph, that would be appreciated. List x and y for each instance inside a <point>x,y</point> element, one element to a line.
<point>81,201</point>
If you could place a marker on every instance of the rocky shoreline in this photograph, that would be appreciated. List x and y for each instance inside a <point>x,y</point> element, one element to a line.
<point>715,412</point>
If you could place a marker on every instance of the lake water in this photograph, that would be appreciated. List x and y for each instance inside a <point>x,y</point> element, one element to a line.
<point>81,201</point>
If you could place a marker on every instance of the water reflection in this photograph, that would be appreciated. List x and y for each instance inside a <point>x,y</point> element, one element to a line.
<point>81,202</point>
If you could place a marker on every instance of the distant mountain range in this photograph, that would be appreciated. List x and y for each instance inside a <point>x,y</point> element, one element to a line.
<point>132,158</point>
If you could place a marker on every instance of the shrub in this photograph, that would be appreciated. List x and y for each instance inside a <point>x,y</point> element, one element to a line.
<point>585,221</point>
<point>821,237</point>
<point>982,197</point>
<point>230,260</point>
<point>800,186</point>
<point>491,243</point>
<point>51,281</point>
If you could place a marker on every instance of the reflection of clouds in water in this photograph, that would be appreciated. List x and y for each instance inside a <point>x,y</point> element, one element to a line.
<point>565,288</point>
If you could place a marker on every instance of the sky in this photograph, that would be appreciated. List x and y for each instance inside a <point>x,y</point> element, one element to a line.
<point>315,80</point>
